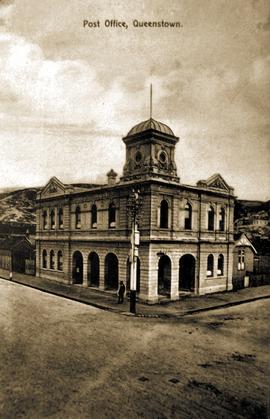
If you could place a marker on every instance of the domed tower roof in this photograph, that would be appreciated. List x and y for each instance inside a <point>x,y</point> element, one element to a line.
<point>150,124</point>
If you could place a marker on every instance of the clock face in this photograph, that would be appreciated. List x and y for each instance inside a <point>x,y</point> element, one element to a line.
<point>162,156</point>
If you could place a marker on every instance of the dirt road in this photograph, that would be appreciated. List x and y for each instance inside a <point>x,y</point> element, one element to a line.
<point>62,359</point>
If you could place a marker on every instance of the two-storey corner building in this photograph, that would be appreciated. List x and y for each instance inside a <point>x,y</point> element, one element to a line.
<point>186,232</point>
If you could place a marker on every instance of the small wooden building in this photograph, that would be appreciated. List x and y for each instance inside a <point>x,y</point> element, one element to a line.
<point>17,254</point>
<point>243,257</point>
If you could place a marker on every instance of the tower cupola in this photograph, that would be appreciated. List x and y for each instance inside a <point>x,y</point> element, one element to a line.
<point>150,152</point>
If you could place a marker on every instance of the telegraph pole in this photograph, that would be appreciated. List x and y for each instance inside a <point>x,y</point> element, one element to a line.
<point>134,208</point>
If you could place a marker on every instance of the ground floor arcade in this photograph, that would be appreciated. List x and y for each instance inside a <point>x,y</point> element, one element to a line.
<point>165,271</point>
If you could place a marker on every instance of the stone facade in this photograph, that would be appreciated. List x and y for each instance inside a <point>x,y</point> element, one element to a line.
<point>186,232</point>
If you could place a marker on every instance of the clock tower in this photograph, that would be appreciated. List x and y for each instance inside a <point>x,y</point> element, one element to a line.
<point>150,152</point>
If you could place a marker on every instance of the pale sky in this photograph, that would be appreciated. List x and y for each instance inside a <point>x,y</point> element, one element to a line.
<point>69,94</point>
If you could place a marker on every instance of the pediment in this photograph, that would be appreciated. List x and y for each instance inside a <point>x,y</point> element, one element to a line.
<point>216,182</point>
<point>22,244</point>
<point>244,241</point>
<point>53,188</point>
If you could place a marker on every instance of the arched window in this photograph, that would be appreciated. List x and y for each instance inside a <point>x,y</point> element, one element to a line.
<point>221,220</point>
<point>220,268</point>
<point>188,217</point>
<point>45,219</point>
<point>51,259</point>
<point>78,217</point>
<point>211,218</point>
<point>210,265</point>
<point>52,218</point>
<point>94,216</point>
<point>44,259</point>
<point>241,260</point>
<point>60,218</point>
<point>60,260</point>
<point>112,215</point>
<point>164,214</point>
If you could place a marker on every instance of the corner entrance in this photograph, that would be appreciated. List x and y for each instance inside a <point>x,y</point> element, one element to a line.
<point>187,273</point>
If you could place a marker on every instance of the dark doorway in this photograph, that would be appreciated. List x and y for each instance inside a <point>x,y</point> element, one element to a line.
<point>164,275</point>
<point>187,273</point>
<point>138,284</point>
<point>111,271</point>
<point>77,268</point>
<point>18,261</point>
<point>93,270</point>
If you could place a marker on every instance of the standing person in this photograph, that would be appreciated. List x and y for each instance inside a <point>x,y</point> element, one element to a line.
<point>121,292</point>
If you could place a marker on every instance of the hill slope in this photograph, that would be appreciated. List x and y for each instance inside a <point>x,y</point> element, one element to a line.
<point>18,206</point>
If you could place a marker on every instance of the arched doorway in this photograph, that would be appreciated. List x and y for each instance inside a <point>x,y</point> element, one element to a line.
<point>93,269</point>
<point>187,273</point>
<point>164,275</point>
<point>111,271</point>
<point>77,268</point>
<point>138,275</point>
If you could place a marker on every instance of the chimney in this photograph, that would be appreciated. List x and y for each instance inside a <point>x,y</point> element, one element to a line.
<point>111,175</point>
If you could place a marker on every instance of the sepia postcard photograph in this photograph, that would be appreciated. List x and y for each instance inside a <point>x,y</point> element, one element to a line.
<point>134,209</point>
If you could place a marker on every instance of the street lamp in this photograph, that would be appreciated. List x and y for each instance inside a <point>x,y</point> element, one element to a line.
<point>134,206</point>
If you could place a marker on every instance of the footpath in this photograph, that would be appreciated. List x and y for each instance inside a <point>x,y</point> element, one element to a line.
<point>187,304</point>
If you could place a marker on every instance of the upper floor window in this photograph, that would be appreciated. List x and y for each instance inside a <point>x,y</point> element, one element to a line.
<point>94,216</point>
<point>44,259</point>
<point>78,217</point>
<point>221,219</point>
<point>45,219</point>
<point>52,218</point>
<point>112,215</point>
<point>211,218</point>
<point>188,217</point>
<point>210,265</point>
<point>60,218</point>
<point>220,267</point>
<point>241,260</point>
<point>60,260</point>
<point>52,261</point>
<point>164,214</point>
